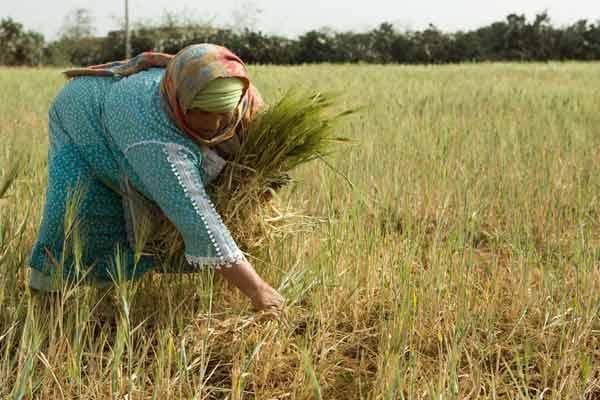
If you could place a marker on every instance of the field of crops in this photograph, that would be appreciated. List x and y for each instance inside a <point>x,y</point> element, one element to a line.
<point>456,255</point>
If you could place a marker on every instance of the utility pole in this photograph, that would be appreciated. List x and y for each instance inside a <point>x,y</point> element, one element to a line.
<point>127,34</point>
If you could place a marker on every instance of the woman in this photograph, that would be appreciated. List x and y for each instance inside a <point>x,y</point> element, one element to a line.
<point>163,125</point>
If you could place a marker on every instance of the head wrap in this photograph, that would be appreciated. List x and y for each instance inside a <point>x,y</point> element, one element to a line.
<point>219,96</point>
<point>187,74</point>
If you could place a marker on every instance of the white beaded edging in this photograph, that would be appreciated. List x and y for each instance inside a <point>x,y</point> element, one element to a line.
<point>204,208</point>
<point>156,142</point>
<point>217,262</point>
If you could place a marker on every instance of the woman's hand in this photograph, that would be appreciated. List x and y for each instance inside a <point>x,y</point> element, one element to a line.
<point>260,293</point>
<point>268,299</point>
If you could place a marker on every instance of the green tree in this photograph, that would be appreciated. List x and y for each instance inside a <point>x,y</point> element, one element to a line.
<point>19,47</point>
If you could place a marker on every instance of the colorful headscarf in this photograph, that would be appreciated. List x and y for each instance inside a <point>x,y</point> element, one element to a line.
<point>188,73</point>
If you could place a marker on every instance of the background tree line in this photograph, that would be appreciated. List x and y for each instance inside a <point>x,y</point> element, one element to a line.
<point>514,39</point>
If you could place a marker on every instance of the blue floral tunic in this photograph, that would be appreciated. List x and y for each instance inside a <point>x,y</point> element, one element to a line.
<point>107,132</point>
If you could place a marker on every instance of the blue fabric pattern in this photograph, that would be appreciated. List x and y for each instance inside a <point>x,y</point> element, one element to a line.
<point>105,131</point>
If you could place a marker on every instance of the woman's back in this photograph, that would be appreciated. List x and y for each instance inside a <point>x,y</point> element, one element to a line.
<point>104,117</point>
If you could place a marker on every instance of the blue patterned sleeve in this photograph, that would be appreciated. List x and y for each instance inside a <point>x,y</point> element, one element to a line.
<point>171,174</point>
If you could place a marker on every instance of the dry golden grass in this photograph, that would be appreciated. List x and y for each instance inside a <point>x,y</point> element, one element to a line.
<point>463,262</point>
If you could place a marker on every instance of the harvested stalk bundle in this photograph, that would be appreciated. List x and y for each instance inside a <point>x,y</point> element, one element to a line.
<point>297,129</point>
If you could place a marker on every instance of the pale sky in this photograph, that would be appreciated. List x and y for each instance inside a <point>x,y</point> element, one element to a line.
<point>291,18</point>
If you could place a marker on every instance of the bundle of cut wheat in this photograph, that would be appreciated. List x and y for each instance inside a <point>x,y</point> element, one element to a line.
<point>297,129</point>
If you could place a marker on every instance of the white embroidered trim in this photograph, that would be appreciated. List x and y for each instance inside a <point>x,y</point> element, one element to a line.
<point>211,163</point>
<point>145,142</point>
<point>204,207</point>
<point>218,262</point>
